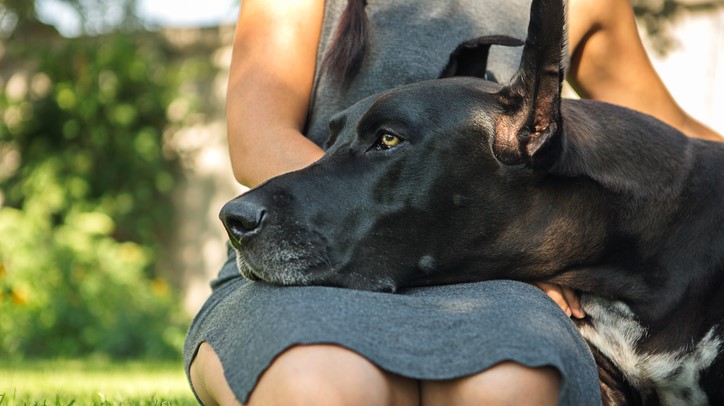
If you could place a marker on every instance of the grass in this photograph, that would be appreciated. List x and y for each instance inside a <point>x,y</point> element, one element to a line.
<point>93,382</point>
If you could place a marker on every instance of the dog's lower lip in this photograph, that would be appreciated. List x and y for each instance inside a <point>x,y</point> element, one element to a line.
<point>245,268</point>
<point>252,274</point>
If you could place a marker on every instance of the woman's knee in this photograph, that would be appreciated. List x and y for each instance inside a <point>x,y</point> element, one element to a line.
<point>331,375</point>
<point>208,380</point>
<point>507,383</point>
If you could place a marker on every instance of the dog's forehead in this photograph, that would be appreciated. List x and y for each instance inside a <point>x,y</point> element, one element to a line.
<point>352,114</point>
<point>423,101</point>
<point>428,99</point>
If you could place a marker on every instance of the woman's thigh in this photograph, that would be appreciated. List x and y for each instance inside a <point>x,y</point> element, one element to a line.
<point>507,383</point>
<point>307,375</point>
<point>330,374</point>
<point>208,380</point>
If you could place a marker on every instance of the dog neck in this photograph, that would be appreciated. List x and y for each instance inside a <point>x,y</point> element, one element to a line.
<point>622,153</point>
<point>655,208</point>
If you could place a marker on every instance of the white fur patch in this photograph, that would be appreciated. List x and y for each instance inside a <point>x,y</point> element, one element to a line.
<point>615,331</point>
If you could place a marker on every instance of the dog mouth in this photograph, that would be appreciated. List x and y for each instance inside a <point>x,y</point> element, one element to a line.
<point>286,264</point>
<point>245,268</point>
<point>311,272</point>
<point>277,274</point>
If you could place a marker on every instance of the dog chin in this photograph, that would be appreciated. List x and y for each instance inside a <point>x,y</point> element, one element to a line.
<point>245,269</point>
<point>284,275</point>
<point>302,274</point>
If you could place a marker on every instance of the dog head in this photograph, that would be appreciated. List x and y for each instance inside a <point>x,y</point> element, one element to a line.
<point>421,184</point>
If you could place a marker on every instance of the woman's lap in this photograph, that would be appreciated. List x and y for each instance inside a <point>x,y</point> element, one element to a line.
<point>430,333</point>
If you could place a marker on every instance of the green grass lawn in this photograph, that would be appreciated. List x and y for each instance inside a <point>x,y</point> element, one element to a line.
<point>93,382</point>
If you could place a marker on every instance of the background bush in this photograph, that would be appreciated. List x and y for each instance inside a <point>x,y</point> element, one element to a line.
<point>85,186</point>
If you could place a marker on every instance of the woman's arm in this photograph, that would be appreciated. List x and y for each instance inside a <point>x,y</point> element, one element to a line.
<point>270,82</point>
<point>609,63</point>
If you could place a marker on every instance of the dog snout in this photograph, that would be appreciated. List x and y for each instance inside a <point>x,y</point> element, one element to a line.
<point>242,219</point>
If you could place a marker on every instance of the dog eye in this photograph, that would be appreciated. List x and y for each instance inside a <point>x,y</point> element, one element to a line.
<point>387,141</point>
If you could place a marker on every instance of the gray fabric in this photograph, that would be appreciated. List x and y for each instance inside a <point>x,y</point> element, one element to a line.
<point>425,333</point>
<point>431,333</point>
<point>406,53</point>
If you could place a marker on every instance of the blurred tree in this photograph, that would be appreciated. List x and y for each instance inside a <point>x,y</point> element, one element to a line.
<point>19,18</point>
<point>85,187</point>
<point>100,16</point>
<point>656,17</point>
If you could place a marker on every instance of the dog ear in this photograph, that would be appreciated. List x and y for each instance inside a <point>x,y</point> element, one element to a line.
<point>470,58</point>
<point>529,130</point>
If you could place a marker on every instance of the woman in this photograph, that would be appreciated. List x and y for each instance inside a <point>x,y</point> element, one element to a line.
<point>263,345</point>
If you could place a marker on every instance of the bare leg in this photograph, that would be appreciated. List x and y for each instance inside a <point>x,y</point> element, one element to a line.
<point>328,374</point>
<point>507,383</point>
<point>307,375</point>
<point>207,378</point>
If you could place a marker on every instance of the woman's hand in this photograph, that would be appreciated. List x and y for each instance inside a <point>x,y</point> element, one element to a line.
<point>566,298</point>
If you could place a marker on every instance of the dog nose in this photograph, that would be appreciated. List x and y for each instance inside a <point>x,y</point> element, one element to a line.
<point>242,219</point>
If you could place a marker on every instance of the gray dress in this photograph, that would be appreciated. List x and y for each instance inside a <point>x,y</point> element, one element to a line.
<point>424,333</point>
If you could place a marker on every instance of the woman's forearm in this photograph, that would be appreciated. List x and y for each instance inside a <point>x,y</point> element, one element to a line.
<point>270,82</point>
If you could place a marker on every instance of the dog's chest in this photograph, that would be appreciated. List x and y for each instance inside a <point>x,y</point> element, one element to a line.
<point>615,331</point>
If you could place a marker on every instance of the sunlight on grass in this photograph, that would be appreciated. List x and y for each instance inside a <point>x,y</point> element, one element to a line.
<point>93,382</point>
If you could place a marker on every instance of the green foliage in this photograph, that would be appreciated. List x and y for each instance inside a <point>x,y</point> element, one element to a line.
<point>85,180</point>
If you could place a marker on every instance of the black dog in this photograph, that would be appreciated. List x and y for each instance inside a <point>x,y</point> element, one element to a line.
<point>461,179</point>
